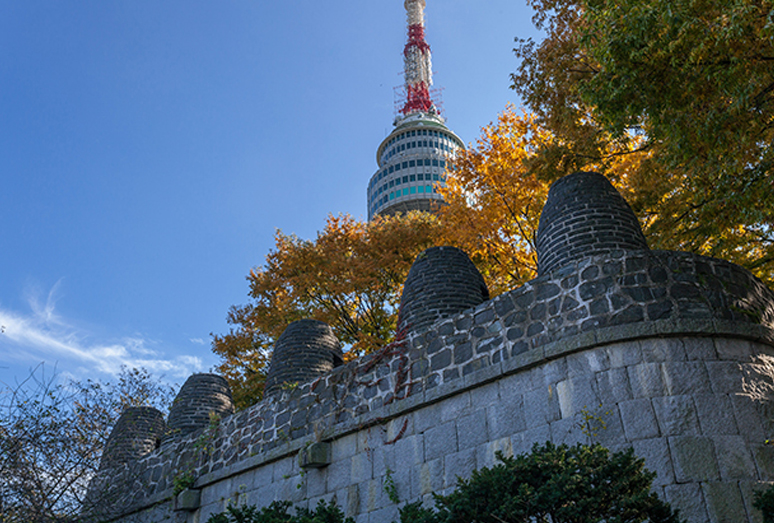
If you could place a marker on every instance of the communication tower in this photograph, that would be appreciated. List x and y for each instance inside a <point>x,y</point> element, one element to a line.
<point>413,158</point>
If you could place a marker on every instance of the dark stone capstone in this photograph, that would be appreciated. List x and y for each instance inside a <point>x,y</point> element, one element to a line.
<point>200,395</point>
<point>584,216</point>
<point>137,432</point>
<point>305,350</point>
<point>441,283</point>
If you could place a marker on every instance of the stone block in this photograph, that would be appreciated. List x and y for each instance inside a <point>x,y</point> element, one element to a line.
<point>693,458</point>
<point>541,406</point>
<point>724,502</point>
<point>409,451</point>
<point>568,431</point>
<point>613,386</point>
<point>188,500</point>
<point>519,383</point>
<point>749,419</point>
<point>639,419</point>
<point>458,465</point>
<point>505,419</point>
<point>735,460</point>
<point>625,354</point>
<point>216,493</point>
<point>689,500</point>
<point>646,380</point>
<point>370,495</point>
<point>344,447</point>
<point>555,371</point>
<point>587,362</point>
<point>523,442</point>
<point>427,417</point>
<point>725,376</point>
<point>485,453</point>
<point>485,395</point>
<point>764,460</point>
<point>733,349</point>
<point>608,426</point>
<point>441,440</point>
<point>655,452</point>
<point>339,474</point>
<point>386,513</point>
<point>656,350</point>
<point>315,481</point>
<point>676,415</point>
<point>362,467</point>
<point>430,477</point>
<point>702,349</point>
<point>472,429</point>
<point>352,503</point>
<point>686,377</point>
<point>716,415</point>
<point>318,455</point>
<point>282,469</point>
<point>576,394</point>
<point>454,407</point>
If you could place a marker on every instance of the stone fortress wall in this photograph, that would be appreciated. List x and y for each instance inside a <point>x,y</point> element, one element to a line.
<point>674,352</point>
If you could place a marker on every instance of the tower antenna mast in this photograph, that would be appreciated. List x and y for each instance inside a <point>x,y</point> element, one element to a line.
<point>417,67</point>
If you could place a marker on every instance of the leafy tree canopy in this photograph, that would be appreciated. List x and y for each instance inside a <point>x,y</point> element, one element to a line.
<point>350,277</point>
<point>684,87</point>
<point>52,434</point>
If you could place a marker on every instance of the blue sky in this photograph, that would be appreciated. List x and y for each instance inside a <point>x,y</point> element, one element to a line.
<point>149,150</point>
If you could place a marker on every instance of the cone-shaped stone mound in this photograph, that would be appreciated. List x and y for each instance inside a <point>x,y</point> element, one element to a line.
<point>137,432</point>
<point>584,216</point>
<point>305,350</point>
<point>441,283</point>
<point>200,395</point>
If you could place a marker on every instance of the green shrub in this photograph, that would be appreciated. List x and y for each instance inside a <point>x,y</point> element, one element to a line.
<point>560,484</point>
<point>764,501</point>
<point>277,512</point>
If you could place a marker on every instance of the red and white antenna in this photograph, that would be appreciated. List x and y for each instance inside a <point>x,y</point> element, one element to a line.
<point>417,69</point>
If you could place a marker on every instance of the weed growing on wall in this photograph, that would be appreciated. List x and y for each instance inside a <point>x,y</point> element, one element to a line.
<point>560,484</point>
<point>390,488</point>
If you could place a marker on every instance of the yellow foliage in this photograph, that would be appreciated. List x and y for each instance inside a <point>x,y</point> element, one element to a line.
<point>350,277</point>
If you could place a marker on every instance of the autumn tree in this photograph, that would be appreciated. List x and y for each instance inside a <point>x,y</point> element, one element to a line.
<point>684,87</point>
<point>350,277</point>
<point>52,433</point>
<point>495,192</point>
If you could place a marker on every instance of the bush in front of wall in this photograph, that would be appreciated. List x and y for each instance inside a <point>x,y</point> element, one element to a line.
<point>561,484</point>
<point>277,512</point>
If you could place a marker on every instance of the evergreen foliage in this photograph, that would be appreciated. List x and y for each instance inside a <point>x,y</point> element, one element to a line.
<point>277,512</point>
<point>558,484</point>
<point>764,501</point>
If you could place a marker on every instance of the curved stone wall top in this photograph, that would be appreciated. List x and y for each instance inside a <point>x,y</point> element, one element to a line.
<point>136,433</point>
<point>200,395</point>
<point>305,350</point>
<point>441,283</point>
<point>584,216</point>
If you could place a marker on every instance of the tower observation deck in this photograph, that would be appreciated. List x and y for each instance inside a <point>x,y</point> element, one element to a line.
<point>413,158</point>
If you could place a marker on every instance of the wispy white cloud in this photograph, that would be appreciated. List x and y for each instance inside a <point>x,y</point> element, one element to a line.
<point>41,334</point>
<point>198,341</point>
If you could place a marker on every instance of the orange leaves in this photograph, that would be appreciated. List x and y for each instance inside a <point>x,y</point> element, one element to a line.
<point>350,277</point>
<point>494,202</point>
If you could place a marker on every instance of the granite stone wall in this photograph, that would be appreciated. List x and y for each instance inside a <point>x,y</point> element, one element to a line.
<point>672,351</point>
